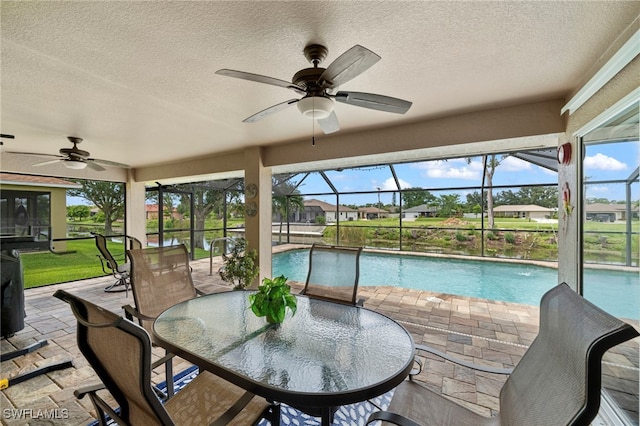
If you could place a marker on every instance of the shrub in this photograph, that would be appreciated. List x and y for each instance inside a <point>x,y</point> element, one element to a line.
<point>460,236</point>
<point>510,238</point>
<point>352,235</point>
<point>320,220</point>
<point>240,266</point>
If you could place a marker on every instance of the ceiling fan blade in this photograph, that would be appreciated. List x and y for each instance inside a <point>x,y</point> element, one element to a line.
<point>108,163</point>
<point>93,165</point>
<point>271,110</point>
<point>260,79</point>
<point>347,66</point>
<point>329,124</point>
<point>35,154</point>
<point>44,163</point>
<point>373,101</point>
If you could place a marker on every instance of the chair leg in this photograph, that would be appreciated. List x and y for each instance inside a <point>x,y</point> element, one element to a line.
<point>168,369</point>
<point>121,281</point>
<point>117,283</point>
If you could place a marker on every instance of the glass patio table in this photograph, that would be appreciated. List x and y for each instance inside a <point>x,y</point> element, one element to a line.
<point>324,356</point>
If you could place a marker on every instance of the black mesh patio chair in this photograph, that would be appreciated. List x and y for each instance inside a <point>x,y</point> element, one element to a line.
<point>333,274</point>
<point>110,265</point>
<point>120,353</point>
<point>557,381</point>
<point>160,278</point>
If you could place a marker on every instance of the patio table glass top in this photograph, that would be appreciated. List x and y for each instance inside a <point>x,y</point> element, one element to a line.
<point>327,354</point>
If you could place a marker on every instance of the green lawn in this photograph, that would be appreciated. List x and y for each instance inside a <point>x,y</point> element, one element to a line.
<point>79,262</point>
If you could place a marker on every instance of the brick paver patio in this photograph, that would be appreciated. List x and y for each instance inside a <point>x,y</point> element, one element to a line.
<point>491,333</point>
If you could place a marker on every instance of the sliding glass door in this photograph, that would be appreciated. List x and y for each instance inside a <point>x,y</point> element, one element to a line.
<point>610,224</point>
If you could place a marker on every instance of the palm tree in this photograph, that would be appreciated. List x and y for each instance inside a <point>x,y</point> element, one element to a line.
<point>286,197</point>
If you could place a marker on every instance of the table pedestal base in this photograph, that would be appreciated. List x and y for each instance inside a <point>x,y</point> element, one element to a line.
<point>325,413</point>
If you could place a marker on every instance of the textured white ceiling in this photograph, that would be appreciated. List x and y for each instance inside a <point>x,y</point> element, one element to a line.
<point>136,79</point>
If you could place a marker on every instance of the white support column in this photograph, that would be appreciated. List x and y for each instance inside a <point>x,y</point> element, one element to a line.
<point>258,225</point>
<point>569,195</point>
<point>135,215</point>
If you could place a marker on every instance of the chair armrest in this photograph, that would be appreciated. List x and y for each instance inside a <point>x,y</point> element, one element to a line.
<point>130,312</point>
<point>388,416</point>
<point>81,392</point>
<point>103,264</point>
<point>463,362</point>
<point>99,404</point>
<point>162,360</point>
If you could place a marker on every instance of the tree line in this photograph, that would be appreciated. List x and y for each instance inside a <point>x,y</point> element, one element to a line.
<point>545,196</point>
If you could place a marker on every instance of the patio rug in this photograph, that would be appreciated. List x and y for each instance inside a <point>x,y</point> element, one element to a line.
<point>347,415</point>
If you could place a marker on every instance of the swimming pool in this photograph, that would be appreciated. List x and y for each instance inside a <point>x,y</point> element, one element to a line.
<point>616,292</point>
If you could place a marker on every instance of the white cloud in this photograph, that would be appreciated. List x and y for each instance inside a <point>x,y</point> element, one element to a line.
<point>603,162</point>
<point>390,184</point>
<point>513,164</point>
<point>452,169</point>
<point>598,189</point>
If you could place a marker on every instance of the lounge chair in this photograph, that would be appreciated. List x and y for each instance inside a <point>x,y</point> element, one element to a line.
<point>120,271</point>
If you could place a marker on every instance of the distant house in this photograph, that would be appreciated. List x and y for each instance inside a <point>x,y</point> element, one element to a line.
<point>609,212</point>
<point>31,205</point>
<point>530,211</point>
<point>423,210</point>
<point>151,211</point>
<point>314,208</point>
<point>372,213</point>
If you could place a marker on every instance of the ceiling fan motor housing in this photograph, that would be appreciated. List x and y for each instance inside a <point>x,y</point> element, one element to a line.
<point>308,78</point>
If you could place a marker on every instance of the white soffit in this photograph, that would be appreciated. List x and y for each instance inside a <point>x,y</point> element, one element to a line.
<point>621,59</point>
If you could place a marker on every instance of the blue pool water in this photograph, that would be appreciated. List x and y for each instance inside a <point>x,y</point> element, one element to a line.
<point>616,292</point>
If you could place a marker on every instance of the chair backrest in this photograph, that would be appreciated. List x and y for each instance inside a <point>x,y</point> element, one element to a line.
<point>101,244</point>
<point>333,273</point>
<point>120,353</point>
<point>134,243</point>
<point>558,380</point>
<point>160,278</point>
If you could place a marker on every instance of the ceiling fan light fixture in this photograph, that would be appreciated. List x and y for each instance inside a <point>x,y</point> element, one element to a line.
<point>315,107</point>
<point>75,164</point>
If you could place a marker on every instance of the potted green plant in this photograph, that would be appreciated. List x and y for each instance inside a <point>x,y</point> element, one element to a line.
<point>240,266</point>
<point>272,299</point>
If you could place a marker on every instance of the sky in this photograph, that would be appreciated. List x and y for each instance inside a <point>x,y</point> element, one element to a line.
<point>612,161</point>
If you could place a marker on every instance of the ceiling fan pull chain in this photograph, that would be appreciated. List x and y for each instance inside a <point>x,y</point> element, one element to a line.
<point>313,124</point>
